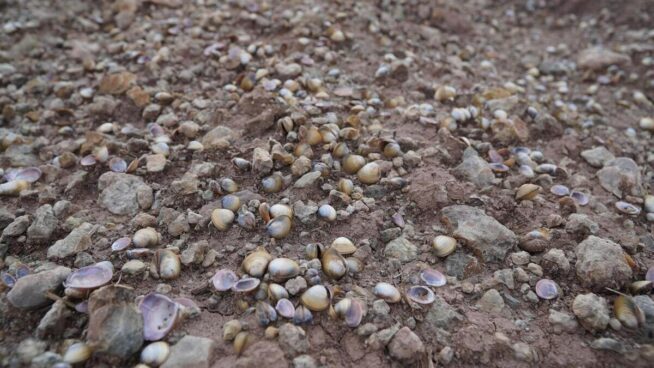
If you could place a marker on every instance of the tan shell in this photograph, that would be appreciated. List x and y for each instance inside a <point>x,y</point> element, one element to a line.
<point>369,174</point>
<point>146,237</point>
<point>13,187</point>
<point>344,245</point>
<point>628,312</point>
<point>280,210</point>
<point>353,163</point>
<point>443,245</point>
<point>231,329</point>
<point>281,269</point>
<point>256,263</point>
<point>168,264</point>
<point>333,264</point>
<point>527,191</point>
<point>222,218</point>
<point>387,292</point>
<point>316,298</point>
<point>345,185</point>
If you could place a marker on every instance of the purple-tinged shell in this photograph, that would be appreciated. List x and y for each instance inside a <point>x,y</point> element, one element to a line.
<point>118,165</point>
<point>159,316</point>
<point>560,190</point>
<point>90,277</point>
<point>433,277</point>
<point>302,315</point>
<point>156,130</point>
<point>354,314</point>
<point>580,197</point>
<point>82,307</point>
<point>649,276</point>
<point>224,280</point>
<point>22,270</point>
<point>265,313</point>
<point>8,280</point>
<point>88,160</point>
<point>421,294</point>
<point>498,167</point>
<point>121,244</point>
<point>29,174</point>
<point>495,157</point>
<point>398,219</point>
<point>285,308</point>
<point>526,171</point>
<point>627,208</point>
<point>246,284</point>
<point>547,289</point>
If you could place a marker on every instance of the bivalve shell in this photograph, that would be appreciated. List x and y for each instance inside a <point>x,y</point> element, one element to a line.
<point>421,295</point>
<point>277,292</point>
<point>90,277</point>
<point>146,237</point>
<point>369,174</point>
<point>256,263</point>
<point>527,192</point>
<point>387,292</point>
<point>327,212</point>
<point>443,245</point>
<point>222,218</point>
<point>224,280</point>
<point>433,277</point>
<point>231,202</point>
<point>168,264</point>
<point>302,315</point>
<point>13,187</point>
<point>281,269</point>
<point>344,245</point>
<point>279,227</point>
<point>627,312</point>
<point>285,308</point>
<point>280,210</point>
<point>316,298</point>
<point>266,314</point>
<point>155,353</point>
<point>547,289</point>
<point>78,352</point>
<point>159,315</point>
<point>246,285</point>
<point>353,163</point>
<point>333,264</point>
<point>627,208</point>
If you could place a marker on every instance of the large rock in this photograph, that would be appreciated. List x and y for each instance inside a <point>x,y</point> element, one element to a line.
<point>598,58</point>
<point>44,224</point>
<point>406,346</point>
<point>592,311</point>
<point>191,352</point>
<point>122,193</point>
<point>601,263</point>
<point>621,176</point>
<point>29,291</point>
<point>474,169</point>
<point>402,249</point>
<point>597,156</point>
<point>77,241</point>
<point>487,238</point>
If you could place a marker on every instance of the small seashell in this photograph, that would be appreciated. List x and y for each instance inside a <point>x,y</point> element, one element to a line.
<point>281,269</point>
<point>443,245</point>
<point>168,264</point>
<point>547,289</point>
<point>13,187</point>
<point>265,313</point>
<point>231,202</point>
<point>23,270</point>
<point>649,276</point>
<point>241,341</point>
<point>78,352</point>
<point>316,298</point>
<point>159,316</point>
<point>536,240</point>
<point>279,227</point>
<point>302,315</point>
<point>391,149</point>
<point>28,174</point>
<point>546,169</point>
<point>527,191</point>
<point>433,277</point>
<point>313,250</point>
<point>272,184</point>
<point>121,244</point>
<point>277,292</point>
<point>117,164</point>
<point>155,353</point>
<point>351,310</point>
<point>88,160</point>
<point>280,210</point>
<point>641,287</point>
<point>627,312</point>
<point>560,190</point>
<point>228,185</point>
<point>230,329</point>
<point>649,203</point>
<point>327,212</point>
<point>369,174</point>
<point>627,208</point>
<point>526,171</point>
<point>387,292</point>
<point>256,263</point>
<point>224,280</point>
<point>285,308</point>
<point>222,218</point>
<point>246,220</point>
<point>345,185</point>
<point>7,279</point>
<point>421,295</point>
<point>90,277</point>
<point>340,150</point>
<point>343,245</point>
<point>333,264</point>
<point>242,164</point>
<point>498,167</point>
<point>146,237</point>
<point>354,265</point>
<point>245,285</point>
<point>353,163</point>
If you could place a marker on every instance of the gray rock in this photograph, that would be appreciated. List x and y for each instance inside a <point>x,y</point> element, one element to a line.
<point>195,252</point>
<point>217,138</point>
<point>597,58</point>
<point>155,163</point>
<point>402,249</point>
<point>304,212</point>
<point>191,352</point>
<point>621,174</point>
<point>441,315</point>
<point>61,208</point>
<point>179,226</point>
<point>581,225</point>
<point>474,169</point>
<point>288,70</point>
<point>505,277</point>
<point>597,156</point>
<point>304,361</point>
<point>446,355</point>
<point>134,267</point>
<point>17,227</point>
<point>380,339</point>
<point>54,322</point>
<point>29,291</point>
<point>6,218</point>
<point>607,343</point>
<point>296,285</point>
<point>646,304</point>
<point>562,322</point>
<point>380,308</point>
<point>556,261</point>
<point>46,360</point>
<point>120,192</point>
<point>262,162</point>
<point>406,346</point>
<point>591,311</point>
<point>263,353</point>
<point>524,352</point>
<point>30,348</point>
<point>601,263</point>
<point>77,241</point>
<point>293,340</point>
<point>520,258</point>
<point>491,302</point>
<point>307,179</point>
<point>44,224</point>
<point>488,238</point>
<point>367,329</point>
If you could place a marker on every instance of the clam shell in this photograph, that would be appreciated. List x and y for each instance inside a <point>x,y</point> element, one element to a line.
<point>241,341</point>
<point>433,277</point>
<point>580,197</point>
<point>246,220</point>
<point>121,244</point>
<point>280,210</point>
<point>327,212</point>
<point>387,292</point>
<point>559,190</point>
<point>302,315</point>
<point>155,353</point>
<point>168,264</point>
<point>228,185</point>
<point>392,149</point>
<point>547,289</point>
<point>88,160</point>
<point>28,174</point>
<point>146,237</point>
<point>333,264</point>
<point>344,246</point>
<point>265,313</point>
<point>649,203</point>
<point>23,270</point>
<point>159,316</point>
<point>13,187</point>
<point>354,265</point>
<point>256,263</point>
<point>90,277</point>
<point>285,308</point>
<point>498,167</point>
<point>351,310</point>
<point>641,287</point>
<point>281,269</point>
<point>222,218</point>
<point>628,312</point>
<point>77,353</point>
<point>627,208</point>
<point>527,191</point>
<point>272,184</point>
<point>242,164</point>
<point>279,227</point>
<point>316,298</point>
<point>277,292</point>
<point>313,250</point>
<point>649,276</point>
<point>245,285</point>
<point>7,279</point>
<point>230,329</point>
<point>353,163</point>
<point>443,245</point>
<point>231,202</point>
<point>345,185</point>
<point>369,174</point>
<point>117,164</point>
<point>526,171</point>
<point>420,295</point>
<point>224,280</point>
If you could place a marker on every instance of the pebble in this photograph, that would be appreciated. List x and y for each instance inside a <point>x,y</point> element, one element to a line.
<point>43,225</point>
<point>401,249</point>
<point>491,302</point>
<point>296,285</point>
<point>524,352</point>
<point>597,58</point>
<point>556,261</point>
<point>54,321</point>
<point>520,258</point>
<point>262,354</point>
<point>191,351</point>
<point>195,253</point>
<point>120,193</point>
<point>293,340</point>
<point>29,349</point>
<point>29,291</point>
<point>562,322</point>
<point>155,163</point>
<point>441,315</point>
<point>133,267</point>
<point>304,361</point>
<point>307,179</point>
<point>475,169</point>
<point>591,311</point>
<point>406,346</point>
<point>620,174</point>
<point>76,241</point>
<point>380,339</point>
<point>607,343</point>
<point>601,263</point>
<point>17,227</point>
<point>597,156</point>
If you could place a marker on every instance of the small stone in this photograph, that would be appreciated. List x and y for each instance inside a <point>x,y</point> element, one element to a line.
<point>191,352</point>
<point>475,169</point>
<point>293,340</point>
<point>179,226</point>
<point>441,315</point>
<point>261,354</point>
<point>621,174</point>
<point>367,329</point>
<point>562,322</point>
<point>520,258</point>
<point>29,291</point>
<point>524,352</point>
<point>597,58</point>
<point>44,224</point>
<point>17,227</point>
<point>29,348</point>
<point>607,343</point>
<point>380,339</point>
<point>195,252</point>
<point>307,179</point>
<point>134,267</point>
<point>406,346</point>
<point>219,138</point>
<point>262,162</point>
<point>304,361</point>
<point>76,241</point>
<point>597,156</point>
<point>46,360</point>
<point>556,261</point>
<point>505,277</point>
<point>380,308</point>
<point>83,259</point>
<point>155,163</point>
<point>535,269</point>
<point>301,166</point>
<point>402,249</point>
<point>491,302</point>
<point>592,311</point>
<point>6,218</point>
<point>305,212</point>
<point>296,285</point>
<point>580,225</point>
<point>446,355</point>
<point>461,265</point>
<point>601,263</point>
<point>120,191</point>
<point>289,70</point>
<point>54,322</point>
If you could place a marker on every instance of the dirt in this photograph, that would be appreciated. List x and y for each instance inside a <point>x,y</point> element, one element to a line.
<point>473,46</point>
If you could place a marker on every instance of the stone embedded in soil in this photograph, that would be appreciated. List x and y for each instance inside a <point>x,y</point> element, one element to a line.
<point>218,138</point>
<point>487,238</point>
<point>191,352</point>
<point>462,265</point>
<point>54,321</point>
<point>475,169</point>
<point>195,252</point>
<point>307,179</point>
<point>17,227</point>
<point>262,162</point>
<point>607,343</point>
<point>491,302</point>
<point>591,311</point>
<point>120,193</point>
<point>115,325</point>
<point>406,346</point>
<point>134,267</point>
<point>29,291</point>
<point>581,225</point>
<point>44,224</point>
<point>597,156</point>
<point>304,361</point>
<point>293,340</point>
<point>401,249</point>
<point>562,322</point>
<point>296,285</point>
<point>646,304</point>
<point>305,212</point>
<point>155,163</point>
<point>601,263</point>
<point>262,354</point>
<point>441,315</point>
<point>29,349</point>
<point>6,218</point>
<point>524,352</point>
<point>621,176</point>
<point>76,241</point>
<point>380,339</point>
<point>597,58</point>
<point>556,261</point>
